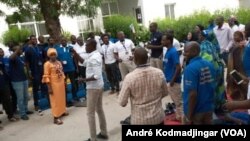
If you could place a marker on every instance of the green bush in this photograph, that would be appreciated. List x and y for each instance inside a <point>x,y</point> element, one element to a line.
<point>15,35</point>
<point>118,23</point>
<point>185,24</point>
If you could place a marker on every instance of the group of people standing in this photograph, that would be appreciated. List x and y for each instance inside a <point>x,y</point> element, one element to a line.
<point>194,78</point>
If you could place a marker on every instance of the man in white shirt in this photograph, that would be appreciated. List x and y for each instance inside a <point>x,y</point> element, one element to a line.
<point>111,66</point>
<point>94,81</point>
<point>123,54</point>
<point>73,41</point>
<point>224,35</point>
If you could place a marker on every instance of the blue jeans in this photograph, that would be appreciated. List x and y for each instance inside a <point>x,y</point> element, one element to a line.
<point>21,89</point>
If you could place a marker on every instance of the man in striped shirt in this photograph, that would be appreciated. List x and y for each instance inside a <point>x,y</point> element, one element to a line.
<point>145,86</point>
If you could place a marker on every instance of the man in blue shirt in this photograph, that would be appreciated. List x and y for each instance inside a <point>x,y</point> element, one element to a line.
<point>246,54</point>
<point>34,61</point>
<point>65,55</point>
<point>199,87</point>
<point>18,77</point>
<point>155,46</point>
<point>172,71</point>
<point>5,94</point>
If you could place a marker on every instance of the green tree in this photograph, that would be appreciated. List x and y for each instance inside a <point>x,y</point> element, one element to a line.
<point>50,10</point>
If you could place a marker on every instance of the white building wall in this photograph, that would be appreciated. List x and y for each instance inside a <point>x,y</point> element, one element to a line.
<point>153,9</point>
<point>69,24</point>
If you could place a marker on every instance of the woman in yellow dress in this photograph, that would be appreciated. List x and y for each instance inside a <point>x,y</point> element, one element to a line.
<point>54,78</point>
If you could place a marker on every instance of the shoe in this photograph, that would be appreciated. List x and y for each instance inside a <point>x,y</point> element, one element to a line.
<point>65,114</point>
<point>29,112</point>
<point>1,112</point>
<point>70,104</point>
<point>112,92</point>
<point>36,108</point>
<point>58,121</point>
<point>100,136</point>
<point>25,118</point>
<point>81,104</point>
<point>88,139</point>
<point>40,112</point>
<point>13,119</point>
<point>126,121</point>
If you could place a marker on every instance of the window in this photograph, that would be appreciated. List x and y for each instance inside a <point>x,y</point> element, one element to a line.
<point>36,28</point>
<point>85,24</point>
<point>169,10</point>
<point>109,7</point>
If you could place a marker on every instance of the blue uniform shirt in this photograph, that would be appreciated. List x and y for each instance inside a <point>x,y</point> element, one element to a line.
<point>17,70</point>
<point>34,56</point>
<point>246,60</point>
<point>169,64</point>
<point>199,75</point>
<point>65,56</point>
<point>155,39</point>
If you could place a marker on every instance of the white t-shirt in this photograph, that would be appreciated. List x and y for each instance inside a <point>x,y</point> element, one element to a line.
<point>81,51</point>
<point>94,68</point>
<point>108,53</point>
<point>124,49</point>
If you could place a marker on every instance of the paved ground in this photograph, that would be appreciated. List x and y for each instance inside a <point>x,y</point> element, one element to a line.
<point>75,127</point>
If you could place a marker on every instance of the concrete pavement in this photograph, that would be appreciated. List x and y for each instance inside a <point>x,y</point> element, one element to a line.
<point>75,127</point>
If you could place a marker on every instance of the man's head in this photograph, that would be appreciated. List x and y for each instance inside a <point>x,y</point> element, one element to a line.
<point>247,30</point>
<point>41,39</point>
<point>121,35</point>
<point>199,28</point>
<point>63,41</point>
<point>153,27</point>
<point>219,21</point>
<point>51,41</point>
<point>238,36</point>
<point>18,49</point>
<point>91,35</point>
<point>73,39</point>
<point>191,50</point>
<point>33,40</point>
<point>140,56</point>
<point>1,53</point>
<point>202,35</point>
<point>105,39</point>
<point>167,40</point>
<point>91,45</point>
<point>79,40</point>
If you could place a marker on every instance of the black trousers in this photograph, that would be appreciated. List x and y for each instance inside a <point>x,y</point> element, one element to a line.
<point>72,77</point>
<point>36,84</point>
<point>13,98</point>
<point>112,72</point>
<point>5,98</point>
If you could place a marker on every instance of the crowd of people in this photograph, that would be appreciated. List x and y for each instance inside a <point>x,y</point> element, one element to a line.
<point>193,74</point>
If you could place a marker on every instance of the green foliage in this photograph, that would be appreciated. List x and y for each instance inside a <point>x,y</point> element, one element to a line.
<point>118,23</point>
<point>66,34</point>
<point>15,35</point>
<point>185,24</point>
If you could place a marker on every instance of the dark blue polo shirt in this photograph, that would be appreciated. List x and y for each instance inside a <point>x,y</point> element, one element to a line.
<point>17,70</point>
<point>4,77</point>
<point>199,75</point>
<point>155,39</point>
<point>65,56</point>
<point>34,56</point>
<point>246,60</point>
<point>169,64</point>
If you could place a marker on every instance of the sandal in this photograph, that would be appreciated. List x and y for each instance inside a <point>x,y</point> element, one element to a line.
<point>58,121</point>
<point>65,114</point>
<point>13,119</point>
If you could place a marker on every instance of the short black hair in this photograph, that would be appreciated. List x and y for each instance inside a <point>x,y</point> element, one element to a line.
<point>92,42</point>
<point>169,37</point>
<point>201,27</point>
<point>105,35</point>
<point>50,38</point>
<point>31,36</point>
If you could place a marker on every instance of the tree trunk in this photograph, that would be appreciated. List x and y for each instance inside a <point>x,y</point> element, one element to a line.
<point>51,17</point>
